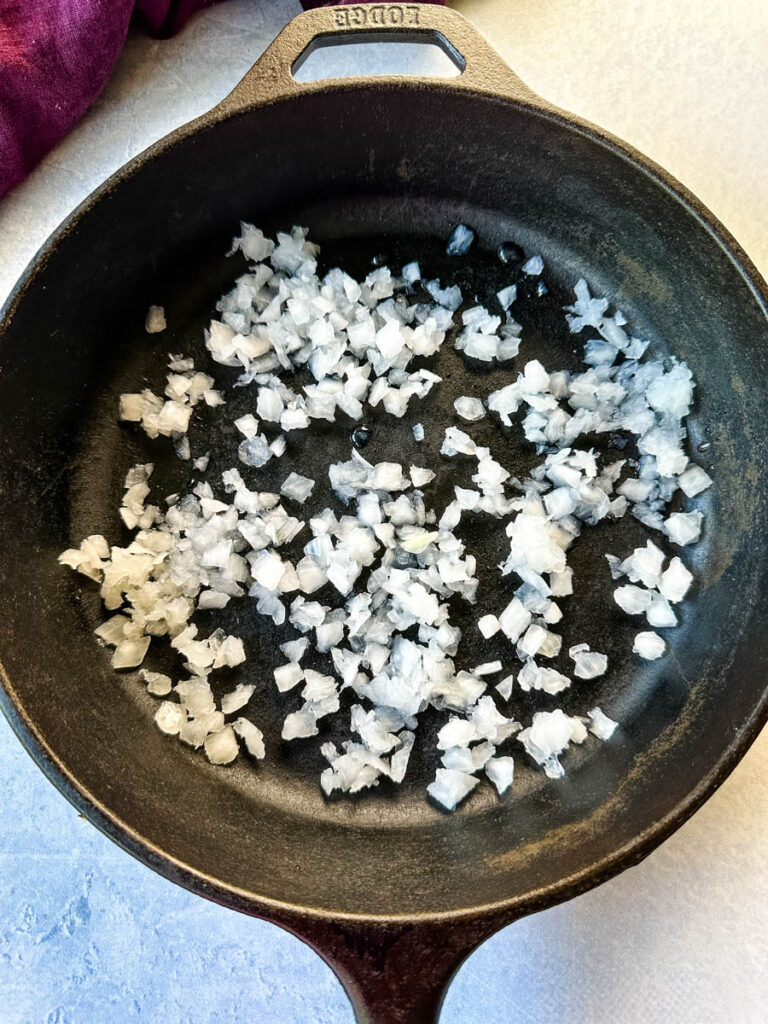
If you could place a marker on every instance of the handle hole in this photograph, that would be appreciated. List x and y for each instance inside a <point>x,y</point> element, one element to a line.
<point>426,54</point>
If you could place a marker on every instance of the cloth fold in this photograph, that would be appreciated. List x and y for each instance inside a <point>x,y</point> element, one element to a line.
<point>56,56</point>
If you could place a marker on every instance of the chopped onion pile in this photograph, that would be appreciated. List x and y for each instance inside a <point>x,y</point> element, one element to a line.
<point>393,563</point>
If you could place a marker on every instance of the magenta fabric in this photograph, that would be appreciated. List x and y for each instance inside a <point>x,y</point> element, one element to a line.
<point>309,4</point>
<point>56,55</point>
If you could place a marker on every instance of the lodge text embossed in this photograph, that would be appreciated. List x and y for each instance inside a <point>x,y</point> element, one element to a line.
<point>377,16</point>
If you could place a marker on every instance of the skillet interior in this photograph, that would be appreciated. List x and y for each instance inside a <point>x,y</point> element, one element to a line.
<point>399,166</point>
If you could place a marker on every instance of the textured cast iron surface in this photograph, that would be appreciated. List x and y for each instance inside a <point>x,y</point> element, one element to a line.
<point>265,841</point>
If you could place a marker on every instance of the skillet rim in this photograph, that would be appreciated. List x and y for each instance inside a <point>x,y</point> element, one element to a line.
<point>232,896</point>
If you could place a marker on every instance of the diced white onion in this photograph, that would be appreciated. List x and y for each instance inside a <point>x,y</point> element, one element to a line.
<point>648,645</point>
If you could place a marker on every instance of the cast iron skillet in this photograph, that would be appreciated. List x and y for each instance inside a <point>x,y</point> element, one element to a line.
<point>392,893</point>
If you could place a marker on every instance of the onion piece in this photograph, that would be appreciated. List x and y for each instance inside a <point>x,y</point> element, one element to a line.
<point>533,266</point>
<point>649,645</point>
<point>501,772</point>
<point>170,717</point>
<point>237,698</point>
<point>633,600</point>
<point>470,409</point>
<point>504,688</point>
<point>155,321</point>
<point>288,676</point>
<point>297,487</point>
<point>158,685</point>
<point>675,581</point>
<point>221,747</point>
<point>694,480</point>
<point>300,724</point>
<point>460,241</point>
<point>252,736</point>
<point>588,664</point>
<point>451,787</point>
<point>130,653</point>
<point>601,725</point>
<point>488,625</point>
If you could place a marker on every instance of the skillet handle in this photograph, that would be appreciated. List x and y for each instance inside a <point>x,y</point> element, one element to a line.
<point>481,68</point>
<point>397,973</point>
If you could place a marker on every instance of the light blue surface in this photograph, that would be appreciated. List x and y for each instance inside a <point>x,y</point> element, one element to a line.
<point>89,936</point>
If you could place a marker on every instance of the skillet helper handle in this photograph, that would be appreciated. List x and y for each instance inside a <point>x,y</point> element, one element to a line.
<point>398,973</point>
<point>481,68</point>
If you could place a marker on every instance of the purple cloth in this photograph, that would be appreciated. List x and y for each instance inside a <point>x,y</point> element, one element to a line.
<point>56,55</point>
<point>54,60</point>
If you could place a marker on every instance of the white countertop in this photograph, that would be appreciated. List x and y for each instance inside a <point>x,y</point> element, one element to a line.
<point>683,936</point>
